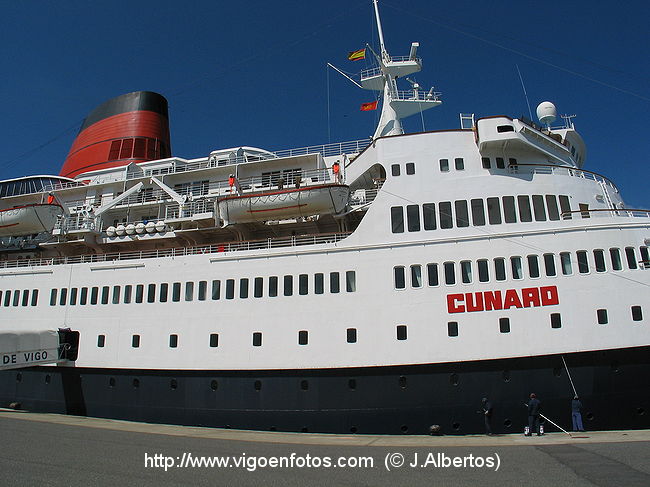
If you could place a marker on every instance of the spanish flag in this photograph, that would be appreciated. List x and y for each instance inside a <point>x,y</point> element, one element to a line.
<point>366,107</point>
<point>357,55</point>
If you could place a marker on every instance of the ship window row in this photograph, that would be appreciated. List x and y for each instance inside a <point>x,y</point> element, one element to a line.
<point>459,164</point>
<point>499,162</point>
<point>395,169</point>
<point>139,148</point>
<point>19,297</point>
<point>258,287</point>
<point>517,267</point>
<point>401,331</point>
<point>479,212</point>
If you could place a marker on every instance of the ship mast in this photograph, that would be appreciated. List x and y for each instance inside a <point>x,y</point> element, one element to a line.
<point>396,104</point>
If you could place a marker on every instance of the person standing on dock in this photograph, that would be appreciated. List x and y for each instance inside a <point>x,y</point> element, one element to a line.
<point>487,415</point>
<point>534,406</point>
<point>576,415</point>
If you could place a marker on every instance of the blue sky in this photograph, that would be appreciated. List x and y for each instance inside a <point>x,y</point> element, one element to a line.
<point>254,73</point>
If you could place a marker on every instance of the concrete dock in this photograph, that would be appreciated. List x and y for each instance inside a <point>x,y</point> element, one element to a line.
<point>50,449</point>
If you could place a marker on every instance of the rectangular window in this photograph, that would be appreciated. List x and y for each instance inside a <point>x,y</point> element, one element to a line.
<point>494,211</point>
<point>335,285</point>
<point>214,340</point>
<point>483,271</point>
<point>17,297</point>
<point>400,278</point>
<point>394,169</point>
<point>230,289</point>
<point>216,289</point>
<point>524,208</point>
<point>599,258</point>
<point>273,286</point>
<point>645,256</point>
<point>62,300</point>
<point>446,218</point>
<point>258,287</point>
<point>429,216</point>
<point>173,341</point>
<point>397,219</point>
<point>565,260</point>
<point>135,341</point>
<point>450,273</point>
<point>509,212</point>
<point>203,287</point>
<point>303,284</point>
<point>515,265</point>
<point>53,295</point>
<point>94,294</point>
<point>35,296</point>
<point>500,163</point>
<point>164,291</point>
<point>73,296</point>
<point>504,325</point>
<point>303,337</point>
<point>637,313</point>
<point>410,168</point>
<point>584,210</point>
<point>25,300</point>
<point>452,328</point>
<point>549,265</point>
<point>350,281</point>
<point>189,291</point>
<point>565,207</point>
<point>459,163</point>
<point>83,299</point>
<point>602,316</point>
<point>288,285</point>
<point>583,263</point>
<point>351,335</point>
<point>257,339</point>
<point>500,269</point>
<point>630,255</point>
<point>615,255</point>
<point>401,332</point>
<point>556,320</point>
<point>462,215</point>
<point>105,294</point>
<point>444,165</point>
<point>319,283</point>
<point>413,218</point>
<point>538,208</point>
<point>486,162</point>
<point>416,275</point>
<point>116,294</point>
<point>151,293</point>
<point>101,341</point>
<point>243,288</point>
<point>553,210</point>
<point>432,274</point>
<point>533,266</point>
<point>478,212</point>
<point>466,271</point>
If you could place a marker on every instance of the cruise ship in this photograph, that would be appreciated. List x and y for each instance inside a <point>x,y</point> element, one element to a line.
<point>382,285</point>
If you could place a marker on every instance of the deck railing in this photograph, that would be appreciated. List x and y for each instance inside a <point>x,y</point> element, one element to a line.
<point>562,170</point>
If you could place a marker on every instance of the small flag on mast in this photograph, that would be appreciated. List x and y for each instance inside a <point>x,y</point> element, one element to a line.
<point>357,55</point>
<point>366,107</point>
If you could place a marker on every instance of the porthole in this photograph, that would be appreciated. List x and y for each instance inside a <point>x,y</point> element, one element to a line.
<point>19,377</point>
<point>402,382</point>
<point>352,384</point>
<point>590,416</point>
<point>507,423</point>
<point>48,378</point>
<point>640,411</point>
<point>304,429</point>
<point>173,384</point>
<point>557,371</point>
<point>273,428</point>
<point>304,385</point>
<point>455,426</point>
<point>258,385</point>
<point>614,366</point>
<point>404,428</point>
<point>111,382</point>
<point>353,429</point>
<point>506,376</point>
<point>136,383</point>
<point>214,385</point>
<point>454,379</point>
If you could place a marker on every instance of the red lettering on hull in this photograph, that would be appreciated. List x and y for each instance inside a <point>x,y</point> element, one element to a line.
<point>530,297</point>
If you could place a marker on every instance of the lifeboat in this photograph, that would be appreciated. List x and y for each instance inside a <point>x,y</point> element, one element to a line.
<point>28,219</point>
<point>283,204</point>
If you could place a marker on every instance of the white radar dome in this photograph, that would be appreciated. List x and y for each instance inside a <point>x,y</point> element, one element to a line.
<point>546,112</point>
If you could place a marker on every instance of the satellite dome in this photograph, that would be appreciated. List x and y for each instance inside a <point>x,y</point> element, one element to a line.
<point>546,112</point>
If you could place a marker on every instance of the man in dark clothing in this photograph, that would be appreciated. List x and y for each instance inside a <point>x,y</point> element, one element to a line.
<point>576,416</point>
<point>487,415</point>
<point>534,405</point>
